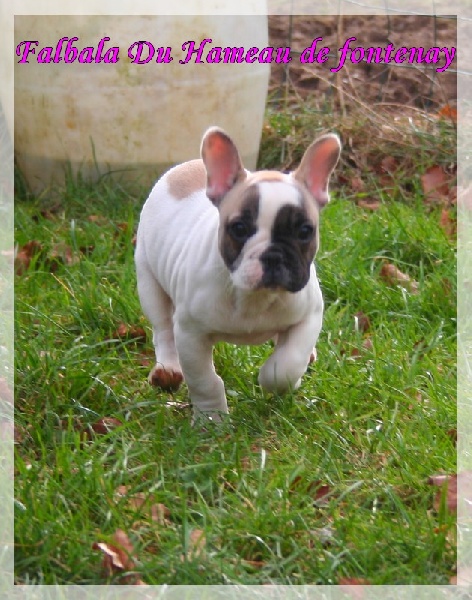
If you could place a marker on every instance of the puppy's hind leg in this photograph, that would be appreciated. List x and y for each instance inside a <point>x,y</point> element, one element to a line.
<point>158,308</point>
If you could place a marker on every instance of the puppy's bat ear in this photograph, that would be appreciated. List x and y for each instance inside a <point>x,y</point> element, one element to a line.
<point>222,162</point>
<point>317,165</point>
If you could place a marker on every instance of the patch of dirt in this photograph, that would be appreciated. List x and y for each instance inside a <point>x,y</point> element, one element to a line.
<point>416,85</point>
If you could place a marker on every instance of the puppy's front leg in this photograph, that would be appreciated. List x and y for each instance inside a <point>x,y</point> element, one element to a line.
<point>285,367</point>
<point>206,388</point>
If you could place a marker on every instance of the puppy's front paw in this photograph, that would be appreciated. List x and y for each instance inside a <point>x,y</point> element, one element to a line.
<point>166,379</point>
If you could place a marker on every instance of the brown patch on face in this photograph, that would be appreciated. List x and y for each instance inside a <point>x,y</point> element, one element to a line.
<point>287,260</point>
<point>187,178</point>
<point>231,240</point>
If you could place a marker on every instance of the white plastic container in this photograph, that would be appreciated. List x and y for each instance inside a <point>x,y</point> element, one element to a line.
<point>132,120</point>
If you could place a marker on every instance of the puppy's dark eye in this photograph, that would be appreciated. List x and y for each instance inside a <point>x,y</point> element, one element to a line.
<point>305,232</point>
<point>238,230</point>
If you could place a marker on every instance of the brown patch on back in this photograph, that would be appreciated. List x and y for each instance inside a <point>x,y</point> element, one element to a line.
<point>186,178</point>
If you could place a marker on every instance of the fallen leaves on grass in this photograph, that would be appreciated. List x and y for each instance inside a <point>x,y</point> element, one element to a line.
<point>448,112</point>
<point>256,564</point>
<point>196,546</point>
<point>25,255</point>
<point>59,254</point>
<point>449,485</point>
<point>129,332</point>
<point>452,434</point>
<point>101,427</point>
<point>393,276</point>
<point>357,185</point>
<point>369,204</point>
<point>448,223</point>
<point>105,425</point>
<point>389,164</point>
<point>361,322</point>
<point>98,219</point>
<point>319,491</point>
<point>118,558</point>
<point>435,184</point>
<point>146,505</point>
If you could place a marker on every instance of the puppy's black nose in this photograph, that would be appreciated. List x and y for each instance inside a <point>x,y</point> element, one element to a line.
<point>272,258</point>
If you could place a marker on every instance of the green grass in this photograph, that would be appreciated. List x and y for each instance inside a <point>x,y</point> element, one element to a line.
<point>370,423</point>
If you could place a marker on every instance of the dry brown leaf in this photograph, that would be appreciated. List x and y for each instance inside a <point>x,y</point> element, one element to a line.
<point>452,434</point>
<point>457,490</point>
<point>124,226</point>
<point>450,483</point>
<point>389,164</point>
<point>60,254</point>
<point>393,276</point>
<point>355,353</point>
<point>319,491</point>
<point>448,223</point>
<point>357,185</point>
<point>25,254</point>
<point>361,322</point>
<point>196,545</point>
<point>369,204</point>
<point>435,184</point>
<point>129,332</point>
<point>105,425</point>
<point>322,493</point>
<point>158,512</point>
<point>462,502</point>
<point>257,564</point>
<point>118,558</point>
<point>448,112</point>
<point>87,249</point>
<point>98,219</point>
<point>144,503</point>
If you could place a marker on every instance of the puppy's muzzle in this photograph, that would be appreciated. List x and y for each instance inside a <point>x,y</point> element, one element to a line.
<point>275,273</point>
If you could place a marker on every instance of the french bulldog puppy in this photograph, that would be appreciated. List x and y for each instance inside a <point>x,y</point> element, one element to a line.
<point>223,254</point>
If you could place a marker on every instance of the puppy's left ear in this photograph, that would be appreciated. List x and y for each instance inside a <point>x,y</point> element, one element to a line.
<point>222,162</point>
<point>317,165</point>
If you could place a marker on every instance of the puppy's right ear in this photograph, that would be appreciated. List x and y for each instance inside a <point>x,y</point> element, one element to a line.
<point>222,162</point>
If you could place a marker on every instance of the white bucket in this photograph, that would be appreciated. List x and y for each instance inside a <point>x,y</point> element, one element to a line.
<point>127,119</point>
